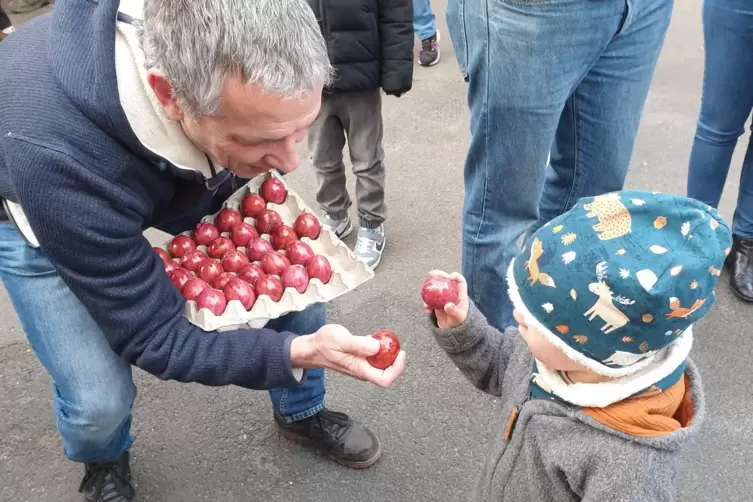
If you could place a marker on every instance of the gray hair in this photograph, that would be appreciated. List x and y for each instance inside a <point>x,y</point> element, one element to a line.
<point>275,44</point>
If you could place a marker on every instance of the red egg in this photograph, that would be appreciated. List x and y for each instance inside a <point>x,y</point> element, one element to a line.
<point>220,246</point>
<point>205,233</point>
<point>253,205</point>
<point>193,287</point>
<point>212,300</point>
<point>227,219</point>
<point>307,225</point>
<point>237,289</point>
<point>181,245</point>
<point>192,261</point>
<point>389,348</point>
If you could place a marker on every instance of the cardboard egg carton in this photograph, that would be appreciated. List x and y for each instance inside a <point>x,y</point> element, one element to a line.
<point>348,271</point>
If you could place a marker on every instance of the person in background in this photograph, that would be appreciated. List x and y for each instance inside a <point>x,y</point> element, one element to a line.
<point>109,126</point>
<point>725,107</point>
<point>6,27</point>
<point>425,26</point>
<point>370,46</point>
<point>568,78</point>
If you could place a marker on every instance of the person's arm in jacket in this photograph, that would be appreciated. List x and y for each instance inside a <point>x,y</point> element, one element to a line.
<point>480,351</point>
<point>396,42</point>
<point>90,228</point>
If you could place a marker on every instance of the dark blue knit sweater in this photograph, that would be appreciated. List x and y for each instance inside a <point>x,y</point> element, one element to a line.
<point>89,189</point>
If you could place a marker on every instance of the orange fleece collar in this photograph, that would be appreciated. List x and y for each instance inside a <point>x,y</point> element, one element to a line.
<point>651,414</point>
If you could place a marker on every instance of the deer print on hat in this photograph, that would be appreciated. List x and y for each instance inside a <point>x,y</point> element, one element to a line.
<point>604,306</point>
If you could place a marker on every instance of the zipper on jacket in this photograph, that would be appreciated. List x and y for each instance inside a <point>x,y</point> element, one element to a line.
<point>512,421</point>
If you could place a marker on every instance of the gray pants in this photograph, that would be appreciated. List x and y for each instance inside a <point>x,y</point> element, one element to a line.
<point>359,116</point>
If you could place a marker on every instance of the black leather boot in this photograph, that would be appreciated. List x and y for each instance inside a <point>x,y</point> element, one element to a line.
<point>344,440</point>
<point>108,481</point>
<point>740,262</point>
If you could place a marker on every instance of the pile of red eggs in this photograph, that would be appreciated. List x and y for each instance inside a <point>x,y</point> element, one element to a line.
<point>239,263</point>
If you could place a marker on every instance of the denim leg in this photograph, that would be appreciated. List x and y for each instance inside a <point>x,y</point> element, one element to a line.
<point>524,60</point>
<point>424,23</point>
<point>297,403</point>
<point>742,224</point>
<point>726,104</point>
<point>596,133</point>
<point>93,390</point>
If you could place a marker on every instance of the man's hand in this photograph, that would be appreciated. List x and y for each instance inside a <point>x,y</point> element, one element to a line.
<point>334,347</point>
<point>453,315</point>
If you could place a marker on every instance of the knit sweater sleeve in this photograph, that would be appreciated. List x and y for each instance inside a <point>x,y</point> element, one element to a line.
<point>90,228</point>
<point>479,350</point>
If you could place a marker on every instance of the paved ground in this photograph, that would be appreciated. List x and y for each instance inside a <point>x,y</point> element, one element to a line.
<point>197,443</point>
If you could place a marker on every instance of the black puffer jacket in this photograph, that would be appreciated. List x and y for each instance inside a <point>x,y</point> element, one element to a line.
<point>370,43</point>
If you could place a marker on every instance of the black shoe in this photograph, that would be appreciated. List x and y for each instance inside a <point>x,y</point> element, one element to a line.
<point>108,481</point>
<point>740,262</point>
<point>346,441</point>
<point>429,55</point>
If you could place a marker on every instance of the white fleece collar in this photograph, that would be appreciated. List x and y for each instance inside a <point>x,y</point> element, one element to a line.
<point>628,380</point>
<point>156,131</point>
<point>600,395</point>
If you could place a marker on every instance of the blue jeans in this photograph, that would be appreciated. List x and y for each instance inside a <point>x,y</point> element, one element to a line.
<point>568,77</point>
<point>424,23</point>
<point>725,107</point>
<point>93,390</point>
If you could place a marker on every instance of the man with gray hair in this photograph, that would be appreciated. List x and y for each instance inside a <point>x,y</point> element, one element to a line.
<point>124,115</point>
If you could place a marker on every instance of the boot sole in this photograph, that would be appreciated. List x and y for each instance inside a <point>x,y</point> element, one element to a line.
<point>365,464</point>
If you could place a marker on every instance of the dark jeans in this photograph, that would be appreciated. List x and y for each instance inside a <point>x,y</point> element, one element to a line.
<point>568,77</point>
<point>725,107</point>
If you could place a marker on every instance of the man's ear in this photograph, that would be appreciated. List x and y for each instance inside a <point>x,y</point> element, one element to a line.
<point>163,90</point>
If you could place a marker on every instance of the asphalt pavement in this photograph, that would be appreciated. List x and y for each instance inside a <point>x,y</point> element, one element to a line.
<point>196,443</point>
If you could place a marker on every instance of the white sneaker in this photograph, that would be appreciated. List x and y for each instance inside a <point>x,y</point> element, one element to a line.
<point>370,245</point>
<point>341,228</point>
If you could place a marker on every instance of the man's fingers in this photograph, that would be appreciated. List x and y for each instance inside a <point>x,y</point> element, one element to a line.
<point>383,378</point>
<point>359,346</point>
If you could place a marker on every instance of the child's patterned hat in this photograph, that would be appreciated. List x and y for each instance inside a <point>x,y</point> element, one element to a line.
<point>621,276</point>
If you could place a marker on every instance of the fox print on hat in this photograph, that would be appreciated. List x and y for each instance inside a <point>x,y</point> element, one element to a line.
<point>621,276</point>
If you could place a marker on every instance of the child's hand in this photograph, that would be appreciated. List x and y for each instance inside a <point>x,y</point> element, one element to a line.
<point>453,315</point>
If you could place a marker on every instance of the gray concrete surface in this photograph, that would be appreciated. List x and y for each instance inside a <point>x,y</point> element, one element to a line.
<point>196,443</point>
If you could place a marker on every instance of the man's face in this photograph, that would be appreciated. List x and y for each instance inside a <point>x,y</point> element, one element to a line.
<point>254,132</point>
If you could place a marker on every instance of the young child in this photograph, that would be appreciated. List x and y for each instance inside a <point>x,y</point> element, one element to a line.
<point>598,395</point>
<point>370,45</point>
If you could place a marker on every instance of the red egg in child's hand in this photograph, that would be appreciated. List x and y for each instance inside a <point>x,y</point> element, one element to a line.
<point>389,348</point>
<point>437,292</point>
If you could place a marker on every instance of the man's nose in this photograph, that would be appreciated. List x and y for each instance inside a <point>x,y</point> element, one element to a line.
<point>287,155</point>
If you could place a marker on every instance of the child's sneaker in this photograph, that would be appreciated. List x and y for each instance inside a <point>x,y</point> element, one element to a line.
<point>429,55</point>
<point>370,245</point>
<point>342,228</point>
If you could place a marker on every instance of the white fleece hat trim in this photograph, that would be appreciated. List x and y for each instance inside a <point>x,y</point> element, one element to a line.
<point>677,351</point>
